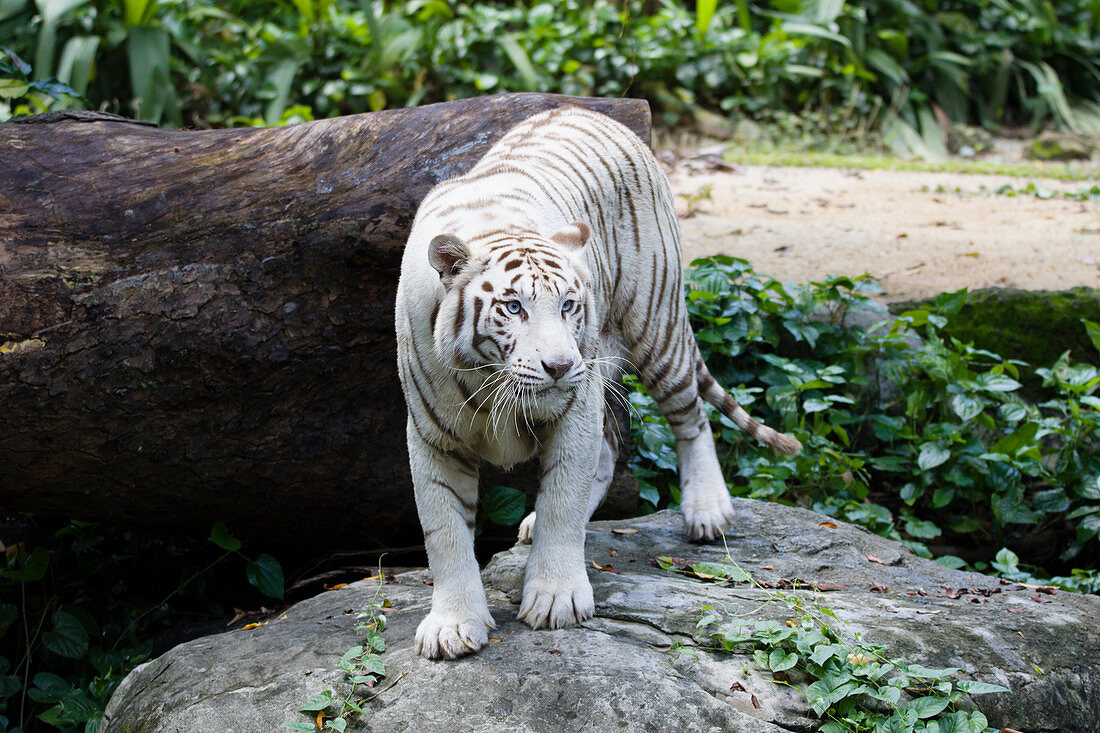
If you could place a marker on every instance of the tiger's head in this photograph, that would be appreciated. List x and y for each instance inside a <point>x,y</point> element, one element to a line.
<point>517,318</point>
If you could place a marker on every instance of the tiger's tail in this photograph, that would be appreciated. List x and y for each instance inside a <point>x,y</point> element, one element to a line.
<point>712,392</point>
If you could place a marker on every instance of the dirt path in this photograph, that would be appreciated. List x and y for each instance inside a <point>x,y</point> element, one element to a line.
<point>912,231</point>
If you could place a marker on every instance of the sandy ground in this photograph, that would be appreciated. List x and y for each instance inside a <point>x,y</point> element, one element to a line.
<point>912,231</point>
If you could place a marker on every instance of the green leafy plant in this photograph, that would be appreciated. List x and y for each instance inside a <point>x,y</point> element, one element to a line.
<point>913,435</point>
<point>906,69</point>
<point>82,620</point>
<point>20,95</point>
<point>850,684</point>
<point>362,666</point>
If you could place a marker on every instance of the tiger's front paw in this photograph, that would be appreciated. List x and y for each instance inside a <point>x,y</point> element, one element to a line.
<point>707,517</point>
<point>556,602</point>
<point>446,636</point>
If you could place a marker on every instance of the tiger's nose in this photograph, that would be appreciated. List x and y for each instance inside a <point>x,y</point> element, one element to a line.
<point>557,367</point>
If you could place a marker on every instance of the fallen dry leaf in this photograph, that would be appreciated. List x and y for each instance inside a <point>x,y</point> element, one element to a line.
<point>496,639</point>
<point>756,703</point>
<point>878,588</point>
<point>875,558</point>
<point>830,525</point>
<point>737,687</point>
<point>625,531</point>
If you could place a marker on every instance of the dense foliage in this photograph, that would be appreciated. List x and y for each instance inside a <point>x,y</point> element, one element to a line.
<point>914,436</point>
<point>898,63</point>
<point>83,604</point>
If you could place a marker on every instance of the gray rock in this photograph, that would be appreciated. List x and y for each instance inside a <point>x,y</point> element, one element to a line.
<point>713,125</point>
<point>642,663</point>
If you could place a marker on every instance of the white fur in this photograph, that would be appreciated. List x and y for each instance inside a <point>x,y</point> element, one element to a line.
<point>601,280</point>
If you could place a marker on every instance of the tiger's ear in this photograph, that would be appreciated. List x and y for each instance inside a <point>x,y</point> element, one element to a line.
<point>573,237</point>
<point>448,255</point>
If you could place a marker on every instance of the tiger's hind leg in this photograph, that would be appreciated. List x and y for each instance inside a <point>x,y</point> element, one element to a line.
<point>671,377</point>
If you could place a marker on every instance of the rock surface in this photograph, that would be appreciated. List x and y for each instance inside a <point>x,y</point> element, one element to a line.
<point>616,671</point>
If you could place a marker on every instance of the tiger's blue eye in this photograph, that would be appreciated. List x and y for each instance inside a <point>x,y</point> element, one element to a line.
<point>567,306</point>
<point>513,306</point>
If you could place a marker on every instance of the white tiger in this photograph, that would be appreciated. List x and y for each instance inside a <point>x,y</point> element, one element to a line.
<point>521,280</point>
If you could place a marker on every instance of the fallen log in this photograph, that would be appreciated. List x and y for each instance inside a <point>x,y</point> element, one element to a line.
<point>198,325</point>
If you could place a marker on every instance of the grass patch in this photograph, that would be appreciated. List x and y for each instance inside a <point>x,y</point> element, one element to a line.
<point>883,162</point>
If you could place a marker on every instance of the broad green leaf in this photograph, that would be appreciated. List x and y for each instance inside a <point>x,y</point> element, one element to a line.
<point>943,496</point>
<point>889,695</point>
<point>720,571</point>
<point>779,660</point>
<point>220,536</point>
<point>504,505</point>
<point>825,652</point>
<point>266,574</point>
<point>318,702</point>
<point>374,664</point>
<point>926,707</point>
<point>8,614</point>
<point>952,302</point>
<point>9,685</point>
<point>376,642</point>
<point>991,382</point>
<point>975,687</point>
<point>1006,561</point>
<point>951,561</point>
<point>922,528</point>
<point>68,637</point>
<point>932,455</point>
<point>12,88</point>
<point>1093,330</point>
<point>929,673</point>
<point>49,687</point>
<point>965,406</point>
<point>1051,501</point>
<point>1090,488</point>
<point>29,568</point>
<point>337,724</point>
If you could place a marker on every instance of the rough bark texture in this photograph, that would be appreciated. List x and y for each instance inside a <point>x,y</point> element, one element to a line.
<point>198,325</point>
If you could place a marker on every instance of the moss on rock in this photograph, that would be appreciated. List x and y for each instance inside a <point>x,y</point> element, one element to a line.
<point>1055,145</point>
<point>1035,326</point>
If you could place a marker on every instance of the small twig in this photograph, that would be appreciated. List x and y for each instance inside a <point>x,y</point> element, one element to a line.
<point>386,689</point>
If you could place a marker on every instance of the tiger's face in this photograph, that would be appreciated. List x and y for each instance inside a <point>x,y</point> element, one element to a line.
<point>517,320</point>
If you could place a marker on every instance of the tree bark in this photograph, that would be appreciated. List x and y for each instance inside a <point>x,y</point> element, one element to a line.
<point>198,325</point>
